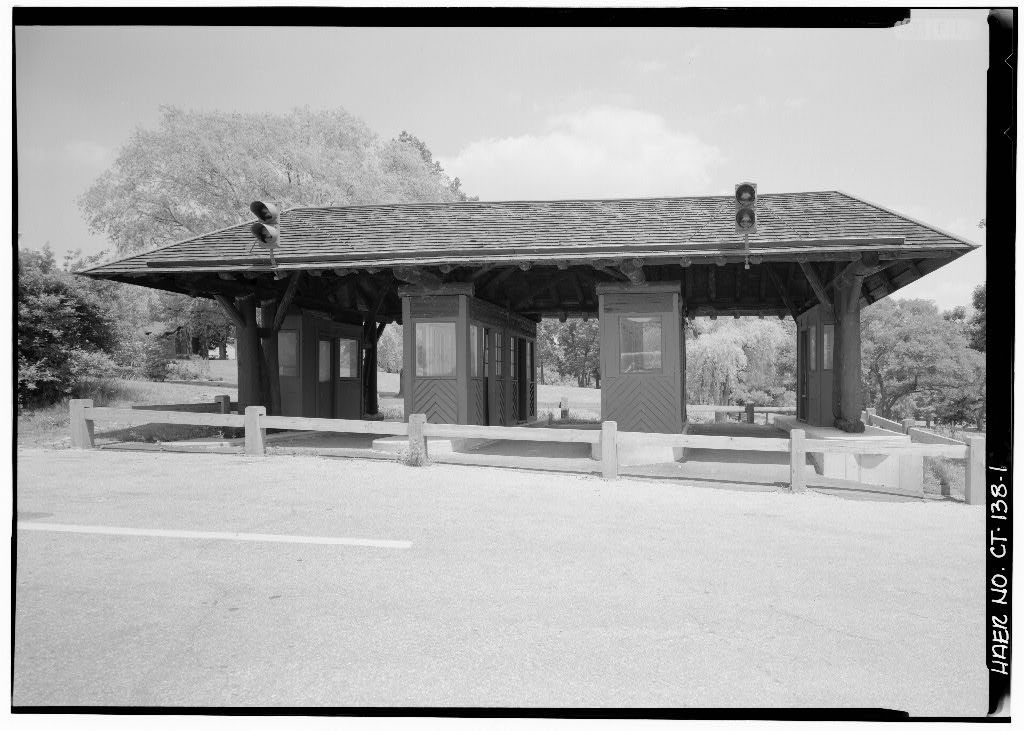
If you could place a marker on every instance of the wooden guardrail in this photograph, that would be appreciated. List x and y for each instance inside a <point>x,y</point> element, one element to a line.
<point>749,410</point>
<point>255,422</point>
<point>219,405</point>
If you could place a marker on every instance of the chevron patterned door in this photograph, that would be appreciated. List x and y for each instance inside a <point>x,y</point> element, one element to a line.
<point>641,386</point>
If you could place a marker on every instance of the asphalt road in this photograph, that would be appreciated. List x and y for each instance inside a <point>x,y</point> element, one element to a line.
<point>516,589</point>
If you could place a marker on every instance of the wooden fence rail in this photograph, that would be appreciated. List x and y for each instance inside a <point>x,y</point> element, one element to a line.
<point>255,423</point>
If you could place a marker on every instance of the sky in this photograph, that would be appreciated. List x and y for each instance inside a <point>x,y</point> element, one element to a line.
<point>895,116</point>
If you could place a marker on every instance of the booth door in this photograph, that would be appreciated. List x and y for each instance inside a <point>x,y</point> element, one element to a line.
<point>325,371</point>
<point>495,377</point>
<point>338,387</point>
<point>640,384</point>
<point>513,374</point>
<point>348,390</point>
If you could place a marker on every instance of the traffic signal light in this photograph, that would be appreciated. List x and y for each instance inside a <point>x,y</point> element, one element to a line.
<point>266,229</point>
<point>746,208</point>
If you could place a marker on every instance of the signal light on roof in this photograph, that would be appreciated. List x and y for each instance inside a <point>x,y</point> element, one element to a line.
<point>266,228</point>
<point>746,208</point>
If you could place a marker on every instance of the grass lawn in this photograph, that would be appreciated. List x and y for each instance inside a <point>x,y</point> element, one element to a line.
<point>48,427</point>
<point>516,589</point>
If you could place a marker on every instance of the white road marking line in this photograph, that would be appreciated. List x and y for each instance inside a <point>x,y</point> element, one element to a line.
<point>211,535</point>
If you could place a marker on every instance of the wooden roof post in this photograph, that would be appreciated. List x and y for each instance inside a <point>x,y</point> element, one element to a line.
<point>271,377</point>
<point>846,386</point>
<point>247,353</point>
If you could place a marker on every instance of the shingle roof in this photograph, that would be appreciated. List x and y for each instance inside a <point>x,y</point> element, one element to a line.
<point>388,235</point>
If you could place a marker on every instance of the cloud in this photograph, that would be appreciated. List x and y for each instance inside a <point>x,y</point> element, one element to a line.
<point>647,66</point>
<point>599,152</point>
<point>90,154</point>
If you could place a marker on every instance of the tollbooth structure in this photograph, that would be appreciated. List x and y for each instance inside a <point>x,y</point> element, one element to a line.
<point>470,281</point>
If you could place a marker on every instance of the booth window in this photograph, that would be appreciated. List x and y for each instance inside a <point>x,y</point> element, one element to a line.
<point>474,350</point>
<point>512,343</point>
<point>435,349</point>
<point>348,358</point>
<point>640,344</point>
<point>812,355</point>
<point>499,354</point>
<point>828,334</point>
<point>323,374</point>
<point>288,353</point>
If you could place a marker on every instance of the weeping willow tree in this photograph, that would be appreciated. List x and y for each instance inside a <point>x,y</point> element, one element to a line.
<point>740,361</point>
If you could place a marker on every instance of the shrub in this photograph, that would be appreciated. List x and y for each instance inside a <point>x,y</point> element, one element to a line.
<point>185,370</point>
<point>60,317</point>
<point>156,365</point>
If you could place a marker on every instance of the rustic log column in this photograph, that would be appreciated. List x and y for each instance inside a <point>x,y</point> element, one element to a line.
<point>370,336</point>
<point>271,376</point>
<point>247,353</point>
<point>846,386</point>
<point>682,364</point>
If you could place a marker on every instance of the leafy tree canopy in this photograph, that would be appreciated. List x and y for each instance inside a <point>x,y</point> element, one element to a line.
<point>978,325</point>
<point>63,324</point>
<point>740,361</point>
<point>915,359</point>
<point>199,171</point>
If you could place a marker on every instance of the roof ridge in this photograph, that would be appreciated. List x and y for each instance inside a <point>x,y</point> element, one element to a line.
<point>905,217</point>
<point>626,199</point>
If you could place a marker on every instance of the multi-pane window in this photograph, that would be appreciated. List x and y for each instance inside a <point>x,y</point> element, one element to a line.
<point>512,342</point>
<point>828,334</point>
<point>288,353</point>
<point>474,350</point>
<point>640,344</point>
<point>348,358</point>
<point>499,355</point>
<point>323,373</point>
<point>435,349</point>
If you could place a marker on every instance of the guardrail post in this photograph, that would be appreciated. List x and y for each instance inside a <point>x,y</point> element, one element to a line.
<point>609,450</point>
<point>797,461</point>
<point>750,413</point>
<point>974,484</point>
<point>224,404</point>
<point>253,433</point>
<point>417,442</point>
<point>81,428</point>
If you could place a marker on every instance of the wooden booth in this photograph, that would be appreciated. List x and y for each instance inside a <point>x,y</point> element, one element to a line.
<point>319,366</point>
<point>815,361</point>
<point>469,282</point>
<point>474,361</point>
<point>643,356</point>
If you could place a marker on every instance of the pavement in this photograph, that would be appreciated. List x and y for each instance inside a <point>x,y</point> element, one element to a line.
<point>304,581</point>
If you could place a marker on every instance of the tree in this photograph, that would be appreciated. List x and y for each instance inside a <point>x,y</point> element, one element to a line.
<point>201,323</point>
<point>977,331</point>
<point>65,330</point>
<point>428,157</point>
<point>389,349</point>
<point>915,359</point>
<point>577,350</point>
<point>547,346</point>
<point>714,360</point>
<point>199,171</point>
<point>741,361</point>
